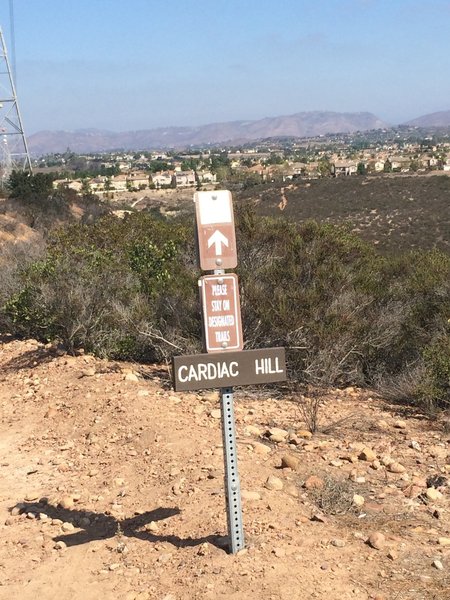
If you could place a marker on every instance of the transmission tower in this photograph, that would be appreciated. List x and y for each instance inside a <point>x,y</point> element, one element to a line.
<point>13,145</point>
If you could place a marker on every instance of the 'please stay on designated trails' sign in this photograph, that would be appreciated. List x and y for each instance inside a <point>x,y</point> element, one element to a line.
<point>227,369</point>
<point>221,312</point>
<point>215,230</point>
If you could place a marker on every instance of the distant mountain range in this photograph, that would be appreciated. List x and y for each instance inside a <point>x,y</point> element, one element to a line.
<point>302,124</point>
<point>437,119</point>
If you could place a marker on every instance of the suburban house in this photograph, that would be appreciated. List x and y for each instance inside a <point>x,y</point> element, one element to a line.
<point>206,177</point>
<point>69,184</point>
<point>376,165</point>
<point>97,184</point>
<point>400,163</point>
<point>119,183</point>
<point>138,180</point>
<point>343,167</point>
<point>162,179</point>
<point>185,178</point>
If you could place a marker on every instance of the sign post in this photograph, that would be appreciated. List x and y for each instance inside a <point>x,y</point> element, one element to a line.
<point>225,363</point>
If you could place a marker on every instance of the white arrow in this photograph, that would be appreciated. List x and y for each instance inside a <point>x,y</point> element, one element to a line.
<point>217,239</point>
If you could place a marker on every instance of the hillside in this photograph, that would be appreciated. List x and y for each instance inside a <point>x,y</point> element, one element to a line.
<point>111,487</point>
<point>396,213</point>
<point>437,119</point>
<point>297,125</point>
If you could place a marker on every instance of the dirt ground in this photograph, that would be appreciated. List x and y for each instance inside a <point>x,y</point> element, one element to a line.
<point>111,486</point>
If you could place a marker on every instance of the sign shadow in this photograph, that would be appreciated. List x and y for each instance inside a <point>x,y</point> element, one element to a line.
<point>100,526</point>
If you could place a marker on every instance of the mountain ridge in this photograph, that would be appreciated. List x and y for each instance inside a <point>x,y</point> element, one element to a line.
<point>301,124</point>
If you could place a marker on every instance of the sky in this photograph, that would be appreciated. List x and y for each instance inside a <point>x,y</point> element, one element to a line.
<point>139,64</point>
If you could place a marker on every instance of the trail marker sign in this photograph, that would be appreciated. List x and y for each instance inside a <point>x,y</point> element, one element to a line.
<point>215,230</point>
<point>225,364</point>
<point>221,312</point>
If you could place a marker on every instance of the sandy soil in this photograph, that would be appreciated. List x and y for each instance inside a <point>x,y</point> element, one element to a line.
<point>111,486</point>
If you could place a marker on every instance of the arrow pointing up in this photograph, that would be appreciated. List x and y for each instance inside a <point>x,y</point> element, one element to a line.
<point>218,239</point>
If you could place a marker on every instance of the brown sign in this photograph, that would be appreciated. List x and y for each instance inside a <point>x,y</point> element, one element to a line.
<point>206,371</point>
<point>221,312</point>
<point>215,230</point>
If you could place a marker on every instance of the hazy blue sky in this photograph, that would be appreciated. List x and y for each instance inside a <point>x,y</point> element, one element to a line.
<point>135,64</point>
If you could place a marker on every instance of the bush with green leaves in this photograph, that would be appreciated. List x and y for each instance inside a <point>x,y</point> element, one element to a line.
<point>113,287</point>
<point>346,315</point>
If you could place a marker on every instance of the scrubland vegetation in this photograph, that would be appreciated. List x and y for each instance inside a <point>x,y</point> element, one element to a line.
<point>126,289</point>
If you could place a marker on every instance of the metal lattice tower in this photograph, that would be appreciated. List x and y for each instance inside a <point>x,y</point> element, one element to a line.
<point>14,152</point>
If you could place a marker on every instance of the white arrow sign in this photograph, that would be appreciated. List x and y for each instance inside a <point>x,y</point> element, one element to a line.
<point>217,239</point>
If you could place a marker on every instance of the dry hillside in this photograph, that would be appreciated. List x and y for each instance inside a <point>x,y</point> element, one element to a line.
<point>111,487</point>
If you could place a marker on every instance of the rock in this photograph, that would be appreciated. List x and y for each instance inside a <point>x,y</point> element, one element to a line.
<point>319,517</point>
<point>415,445</point>
<point>358,500</point>
<point>247,495</point>
<point>444,541</point>
<point>66,527</point>
<point>292,490</point>
<point>131,377</point>
<point>437,565</point>
<point>336,462</point>
<point>60,545</point>
<point>119,481</point>
<point>152,526</point>
<point>277,435</point>
<point>279,552</point>
<point>32,496</point>
<point>93,472</point>
<point>396,467</point>
<point>216,413</point>
<point>288,461</point>
<point>304,433</point>
<point>400,424</point>
<point>273,483</point>
<point>67,502</point>
<point>433,494</point>
<point>89,372</point>
<point>261,448</point>
<point>376,540</point>
<point>392,555</point>
<point>337,543</point>
<point>382,424</point>
<point>250,430</point>
<point>314,483</point>
<point>367,455</point>
<point>114,567</point>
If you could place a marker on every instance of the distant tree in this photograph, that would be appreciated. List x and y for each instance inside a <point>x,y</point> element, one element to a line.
<point>361,169</point>
<point>387,166</point>
<point>324,167</point>
<point>29,187</point>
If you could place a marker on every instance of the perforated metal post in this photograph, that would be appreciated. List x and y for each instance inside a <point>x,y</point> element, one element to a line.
<point>232,484</point>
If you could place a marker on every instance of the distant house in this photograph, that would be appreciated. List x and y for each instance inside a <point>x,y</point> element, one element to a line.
<point>119,183</point>
<point>138,180</point>
<point>400,163</point>
<point>344,168</point>
<point>185,178</point>
<point>206,177</point>
<point>429,162</point>
<point>376,166</point>
<point>69,184</point>
<point>162,179</point>
<point>446,165</point>
<point>97,184</point>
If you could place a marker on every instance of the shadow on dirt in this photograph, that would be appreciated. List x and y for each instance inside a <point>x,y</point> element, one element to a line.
<point>100,526</point>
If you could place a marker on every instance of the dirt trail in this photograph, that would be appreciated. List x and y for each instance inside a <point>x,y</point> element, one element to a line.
<point>111,486</point>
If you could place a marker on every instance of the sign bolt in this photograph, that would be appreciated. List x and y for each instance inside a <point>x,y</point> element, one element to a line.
<point>218,261</point>
<point>224,344</point>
